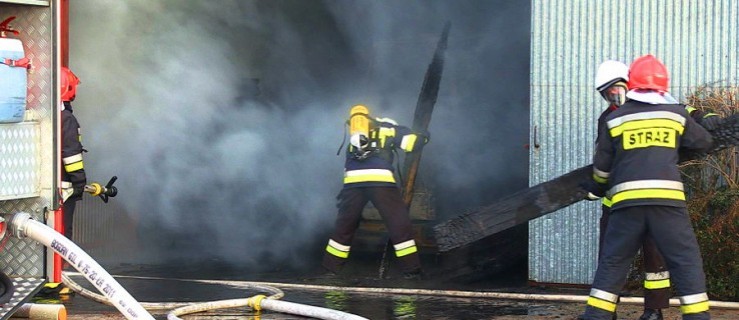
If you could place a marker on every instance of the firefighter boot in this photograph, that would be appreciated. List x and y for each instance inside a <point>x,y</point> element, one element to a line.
<point>651,314</point>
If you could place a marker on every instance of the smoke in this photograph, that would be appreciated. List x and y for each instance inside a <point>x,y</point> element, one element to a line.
<point>222,118</point>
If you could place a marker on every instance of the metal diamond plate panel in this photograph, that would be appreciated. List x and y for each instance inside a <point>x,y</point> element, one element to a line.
<point>19,160</point>
<point>24,258</point>
<point>25,288</point>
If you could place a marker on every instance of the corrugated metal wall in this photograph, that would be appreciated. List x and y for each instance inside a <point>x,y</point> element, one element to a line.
<point>697,40</point>
<point>105,230</point>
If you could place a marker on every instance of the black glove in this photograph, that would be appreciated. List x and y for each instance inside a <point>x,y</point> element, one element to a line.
<point>595,190</point>
<point>78,188</point>
<point>710,121</point>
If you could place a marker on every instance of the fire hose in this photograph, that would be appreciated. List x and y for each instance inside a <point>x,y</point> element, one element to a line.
<point>257,302</point>
<point>197,307</point>
<point>114,294</point>
<point>23,226</point>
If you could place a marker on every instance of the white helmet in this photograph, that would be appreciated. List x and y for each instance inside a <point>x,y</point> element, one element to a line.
<point>609,72</point>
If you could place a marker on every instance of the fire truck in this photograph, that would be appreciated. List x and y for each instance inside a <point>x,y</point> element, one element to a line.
<point>33,48</point>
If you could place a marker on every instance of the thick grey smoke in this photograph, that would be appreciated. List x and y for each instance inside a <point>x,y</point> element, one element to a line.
<point>222,118</point>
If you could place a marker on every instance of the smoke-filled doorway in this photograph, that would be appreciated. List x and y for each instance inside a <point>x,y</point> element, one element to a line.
<point>222,119</point>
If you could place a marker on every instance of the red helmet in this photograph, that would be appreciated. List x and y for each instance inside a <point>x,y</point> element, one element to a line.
<point>69,84</point>
<point>648,73</point>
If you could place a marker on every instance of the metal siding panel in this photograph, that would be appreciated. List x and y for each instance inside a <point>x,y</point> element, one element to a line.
<point>697,40</point>
<point>104,230</point>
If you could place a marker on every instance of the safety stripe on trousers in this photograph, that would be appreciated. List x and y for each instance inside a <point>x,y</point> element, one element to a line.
<point>602,300</point>
<point>656,280</point>
<point>338,249</point>
<point>694,303</point>
<point>405,248</point>
<point>368,175</point>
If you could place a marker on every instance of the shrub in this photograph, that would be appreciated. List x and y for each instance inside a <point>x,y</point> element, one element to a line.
<point>713,200</point>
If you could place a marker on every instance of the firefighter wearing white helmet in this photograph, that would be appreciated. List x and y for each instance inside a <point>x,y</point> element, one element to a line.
<point>635,165</point>
<point>369,176</point>
<point>73,175</point>
<point>611,82</point>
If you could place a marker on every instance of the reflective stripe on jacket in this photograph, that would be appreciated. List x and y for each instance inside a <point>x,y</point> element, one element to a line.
<point>377,168</point>
<point>72,164</point>
<point>637,153</point>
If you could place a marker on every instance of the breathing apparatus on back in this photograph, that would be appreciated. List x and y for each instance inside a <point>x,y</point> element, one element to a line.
<point>362,142</point>
<point>360,125</point>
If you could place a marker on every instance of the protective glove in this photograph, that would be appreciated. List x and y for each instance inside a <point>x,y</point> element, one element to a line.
<point>710,121</point>
<point>595,190</point>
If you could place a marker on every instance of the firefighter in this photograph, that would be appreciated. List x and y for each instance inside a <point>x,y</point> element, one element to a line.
<point>73,173</point>
<point>611,82</point>
<point>369,176</point>
<point>635,166</point>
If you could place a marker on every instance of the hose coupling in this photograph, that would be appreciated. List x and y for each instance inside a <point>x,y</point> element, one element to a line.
<point>18,224</point>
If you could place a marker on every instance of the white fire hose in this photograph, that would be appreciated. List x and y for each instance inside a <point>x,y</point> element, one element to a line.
<point>113,294</point>
<point>257,303</point>
<point>21,226</point>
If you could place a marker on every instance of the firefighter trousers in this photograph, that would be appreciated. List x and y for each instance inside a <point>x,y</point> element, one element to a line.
<point>672,232</point>
<point>68,217</point>
<point>391,207</point>
<point>656,276</point>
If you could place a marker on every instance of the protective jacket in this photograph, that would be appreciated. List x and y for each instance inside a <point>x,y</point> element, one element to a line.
<point>651,133</point>
<point>73,174</point>
<point>373,166</point>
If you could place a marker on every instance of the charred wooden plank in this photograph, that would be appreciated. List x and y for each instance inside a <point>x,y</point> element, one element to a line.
<point>545,198</point>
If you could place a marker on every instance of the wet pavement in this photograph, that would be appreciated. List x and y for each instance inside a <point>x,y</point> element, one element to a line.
<point>371,306</point>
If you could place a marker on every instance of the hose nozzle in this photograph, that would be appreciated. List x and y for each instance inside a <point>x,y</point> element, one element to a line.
<point>104,192</point>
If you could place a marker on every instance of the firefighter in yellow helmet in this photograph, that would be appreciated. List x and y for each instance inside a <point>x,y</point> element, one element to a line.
<point>369,176</point>
<point>73,173</point>
<point>635,166</point>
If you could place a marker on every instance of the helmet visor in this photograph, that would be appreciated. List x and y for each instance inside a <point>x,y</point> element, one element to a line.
<point>615,94</point>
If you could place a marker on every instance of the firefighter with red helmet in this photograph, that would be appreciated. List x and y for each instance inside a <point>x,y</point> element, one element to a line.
<point>611,82</point>
<point>635,166</point>
<point>73,173</point>
<point>369,176</point>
